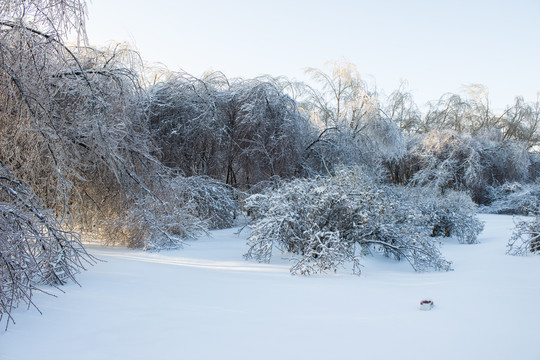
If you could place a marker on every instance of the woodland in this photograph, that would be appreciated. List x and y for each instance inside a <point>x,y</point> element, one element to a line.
<point>96,145</point>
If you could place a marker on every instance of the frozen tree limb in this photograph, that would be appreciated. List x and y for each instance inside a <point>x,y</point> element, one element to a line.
<point>34,250</point>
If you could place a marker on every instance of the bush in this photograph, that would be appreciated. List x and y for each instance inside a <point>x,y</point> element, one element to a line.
<point>177,208</point>
<point>514,199</point>
<point>526,237</point>
<point>446,160</point>
<point>213,201</point>
<point>330,221</point>
<point>452,214</point>
<point>455,215</point>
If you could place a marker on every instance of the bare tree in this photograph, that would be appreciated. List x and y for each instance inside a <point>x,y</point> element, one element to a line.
<point>521,122</point>
<point>449,112</point>
<point>401,108</point>
<point>344,99</point>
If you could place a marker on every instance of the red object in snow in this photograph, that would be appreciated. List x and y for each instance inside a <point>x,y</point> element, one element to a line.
<point>426,305</point>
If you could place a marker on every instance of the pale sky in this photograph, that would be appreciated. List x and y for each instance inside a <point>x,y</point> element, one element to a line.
<point>437,46</point>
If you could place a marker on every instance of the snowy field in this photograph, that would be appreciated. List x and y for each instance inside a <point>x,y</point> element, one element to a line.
<point>206,302</point>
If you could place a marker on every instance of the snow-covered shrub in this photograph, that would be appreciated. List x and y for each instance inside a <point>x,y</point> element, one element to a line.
<point>177,208</point>
<point>330,221</point>
<point>155,224</point>
<point>513,199</point>
<point>455,215</point>
<point>34,249</point>
<point>526,237</point>
<point>447,160</point>
<point>213,201</point>
<point>452,214</point>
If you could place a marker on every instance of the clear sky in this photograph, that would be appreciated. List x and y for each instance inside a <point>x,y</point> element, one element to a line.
<point>437,46</point>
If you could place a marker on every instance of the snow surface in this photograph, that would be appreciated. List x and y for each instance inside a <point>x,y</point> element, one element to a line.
<point>206,302</point>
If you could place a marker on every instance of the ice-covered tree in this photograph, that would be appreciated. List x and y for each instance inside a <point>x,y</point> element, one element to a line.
<point>34,247</point>
<point>513,198</point>
<point>401,108</point>
<point>177,208</point>
<point>353,131</point>
<point>237,131</point>
<point>344,98</point>
<point>521,122</point>
<point>449,112</point>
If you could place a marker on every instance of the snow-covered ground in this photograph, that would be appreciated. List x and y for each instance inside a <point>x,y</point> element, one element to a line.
<point>206,302</point>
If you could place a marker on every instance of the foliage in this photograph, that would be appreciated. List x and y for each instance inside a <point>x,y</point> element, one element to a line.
<point>330,221</point>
